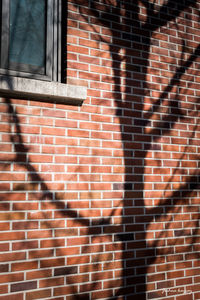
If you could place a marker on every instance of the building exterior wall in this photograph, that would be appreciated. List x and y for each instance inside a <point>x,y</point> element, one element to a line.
<point>102,201</point>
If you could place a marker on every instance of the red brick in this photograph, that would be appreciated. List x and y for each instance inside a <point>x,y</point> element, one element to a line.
<point>78,260</point>
<point>38,294</point>
<point>78,133</point>
<point>46,263</point>
<point>12,256</point>
<point>4,289</point>
<point>40,253</point>
<point>12,277</point>
<point>90,287</point>
<point>7,236</point>
<point>4,226</point>
<point>24,266</point>
<point>40,234</point>
<point>39,274</point>
<point>66,290</point>
<point>4,247</point>
<point>51,282</point>
<point>13,297</point>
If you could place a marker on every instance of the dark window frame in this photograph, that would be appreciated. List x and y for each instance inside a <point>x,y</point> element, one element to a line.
<point>52,70</point>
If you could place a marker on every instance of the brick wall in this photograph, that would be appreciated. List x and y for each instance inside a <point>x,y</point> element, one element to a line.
<point>102,201</point>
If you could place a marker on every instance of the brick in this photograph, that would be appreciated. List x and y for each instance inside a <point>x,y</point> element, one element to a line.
<point>7,236</point>
<point>77,279</point>
<point>4,247</point>
<point>13,277</point>
<point>90,287</point>
<point>52,224</point>
<point>78,133</point>
<point>38,274</point>
<point>51,282</point>
<point>46,263</point>
<point>67,290</point>
<point>102,276</point>
<point>66,232</point>
<point>12,256</point>
<point>25,206</point>
<point>175,274</point>
<point>39,234</point>
<point>67,250</point>
<point>24,266</point>
<point>53,131</point>
<point>4,289</point>
<point>4,268</point>
<point>38,294</point>
<point>78,260</point>
<point>30,285</point>
<point>39,215</point>
<point>4,226</point>
<point>65,271</point>
<point>78,186</point>
<point>13,297</point>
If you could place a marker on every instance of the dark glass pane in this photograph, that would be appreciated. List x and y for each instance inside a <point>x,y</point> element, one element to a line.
<point>27,32</point>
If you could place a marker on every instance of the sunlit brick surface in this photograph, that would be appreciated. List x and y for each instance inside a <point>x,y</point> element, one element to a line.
<point>102,201</point>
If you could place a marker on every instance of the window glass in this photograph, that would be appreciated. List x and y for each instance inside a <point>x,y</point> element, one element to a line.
<point>27,36</point>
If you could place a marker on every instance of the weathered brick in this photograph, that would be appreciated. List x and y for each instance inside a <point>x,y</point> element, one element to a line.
<point>29,285</point>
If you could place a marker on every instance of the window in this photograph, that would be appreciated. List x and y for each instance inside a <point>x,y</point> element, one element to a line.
<point>30,52</point>
<point>30,39</point>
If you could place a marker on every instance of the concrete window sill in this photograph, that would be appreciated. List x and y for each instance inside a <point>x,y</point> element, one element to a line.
<point>32,89</point>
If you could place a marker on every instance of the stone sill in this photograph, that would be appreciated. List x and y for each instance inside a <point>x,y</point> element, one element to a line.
<point>32,89</point>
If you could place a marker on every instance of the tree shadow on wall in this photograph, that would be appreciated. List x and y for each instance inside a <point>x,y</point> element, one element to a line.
<point>47,196</point>
<point>141,133</point>
<point>144,131</point>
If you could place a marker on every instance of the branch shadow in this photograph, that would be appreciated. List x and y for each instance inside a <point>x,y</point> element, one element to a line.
<point>137,217</point>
